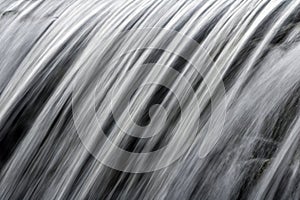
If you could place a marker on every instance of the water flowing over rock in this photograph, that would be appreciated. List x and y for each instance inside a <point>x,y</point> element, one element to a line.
<point>147,99</point>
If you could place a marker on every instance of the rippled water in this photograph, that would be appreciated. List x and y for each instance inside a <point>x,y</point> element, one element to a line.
<point>147,99</point>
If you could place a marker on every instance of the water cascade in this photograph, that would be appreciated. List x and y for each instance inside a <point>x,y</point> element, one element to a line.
<point>147,99</point>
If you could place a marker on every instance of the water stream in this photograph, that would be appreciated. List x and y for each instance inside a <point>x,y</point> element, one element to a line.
<point>147,99</point>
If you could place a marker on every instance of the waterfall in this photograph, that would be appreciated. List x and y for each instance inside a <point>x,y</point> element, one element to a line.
<point>147,99</point>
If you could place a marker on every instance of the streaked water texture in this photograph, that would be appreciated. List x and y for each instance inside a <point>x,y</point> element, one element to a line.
<point>148,99</point>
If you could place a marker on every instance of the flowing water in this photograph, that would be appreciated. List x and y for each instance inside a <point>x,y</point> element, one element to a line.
<point>147,99</point>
